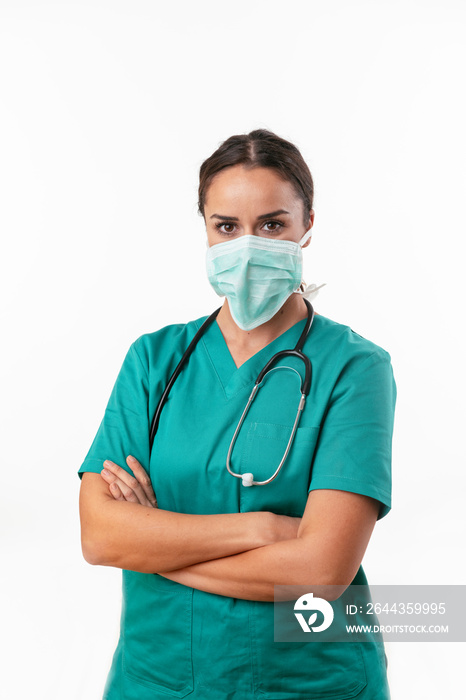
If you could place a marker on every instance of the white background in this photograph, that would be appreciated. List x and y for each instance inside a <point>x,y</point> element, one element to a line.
<point>107,110</point>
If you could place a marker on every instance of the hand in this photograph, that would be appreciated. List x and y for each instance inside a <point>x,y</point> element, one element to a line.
<point>124,487</point>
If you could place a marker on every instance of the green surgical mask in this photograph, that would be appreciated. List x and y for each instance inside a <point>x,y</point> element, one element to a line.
<point>256,275</point>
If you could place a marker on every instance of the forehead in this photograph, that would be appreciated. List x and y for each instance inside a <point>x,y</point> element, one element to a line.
<point>250,187</point>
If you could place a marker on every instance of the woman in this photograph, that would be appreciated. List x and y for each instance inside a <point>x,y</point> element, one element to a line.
<point>201,551</point>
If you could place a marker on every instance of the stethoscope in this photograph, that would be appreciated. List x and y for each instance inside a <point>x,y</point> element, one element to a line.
<point>248,478</point>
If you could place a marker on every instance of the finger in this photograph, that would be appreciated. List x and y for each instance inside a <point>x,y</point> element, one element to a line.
<point>143,478</point>
<point>122,489</point>
<point>116,492</point>
<point>128,484</point>
<point>113,487</point>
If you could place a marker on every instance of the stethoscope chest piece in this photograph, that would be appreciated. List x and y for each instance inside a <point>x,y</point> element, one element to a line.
<point>248,478</point>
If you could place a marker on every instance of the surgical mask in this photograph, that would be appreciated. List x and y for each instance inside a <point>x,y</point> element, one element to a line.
<point>257,275</point>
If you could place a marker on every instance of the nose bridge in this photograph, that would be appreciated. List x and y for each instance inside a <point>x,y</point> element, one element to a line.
<point>249,229</point>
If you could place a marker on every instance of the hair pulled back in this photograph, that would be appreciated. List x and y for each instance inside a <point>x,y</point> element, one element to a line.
<point>260,148</point>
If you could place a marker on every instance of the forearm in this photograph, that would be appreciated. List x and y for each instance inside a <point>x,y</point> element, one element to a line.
<point>252,575</point>
<point>139,538</point>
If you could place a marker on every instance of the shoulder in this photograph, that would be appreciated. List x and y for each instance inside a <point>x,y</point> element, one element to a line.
<point>347,363</point>
<point>166,342</point>
<point>344,342</point>
<point>341,355</point>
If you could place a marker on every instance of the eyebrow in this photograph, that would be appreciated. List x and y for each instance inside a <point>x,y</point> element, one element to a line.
<point>263,216</point>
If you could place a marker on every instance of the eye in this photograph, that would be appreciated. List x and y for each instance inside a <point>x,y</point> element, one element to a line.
<point>277,226</point>
<point>229,228</point>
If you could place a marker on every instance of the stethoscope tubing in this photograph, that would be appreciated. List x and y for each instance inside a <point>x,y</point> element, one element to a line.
<point>248,478</point>
<point>305,388</point>
<point>174,376</point>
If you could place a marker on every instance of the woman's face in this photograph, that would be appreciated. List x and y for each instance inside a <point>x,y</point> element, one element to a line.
<point>255,202</point>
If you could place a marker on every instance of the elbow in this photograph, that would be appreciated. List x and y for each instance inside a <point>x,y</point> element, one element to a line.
<point>91,553</point>
<point>323,574</point>
<point>334,591</point>
<point>324,586</point>
<point>94,551</point>
<point>334,583</point>
<point>326,589</point>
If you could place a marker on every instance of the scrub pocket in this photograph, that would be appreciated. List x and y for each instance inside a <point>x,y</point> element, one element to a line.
<point>263,450</point>
<point>297,670</point>
<point>157,633</point>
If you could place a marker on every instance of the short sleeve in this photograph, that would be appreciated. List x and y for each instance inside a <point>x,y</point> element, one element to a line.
<point>124,429</point>
<point>354,448</point>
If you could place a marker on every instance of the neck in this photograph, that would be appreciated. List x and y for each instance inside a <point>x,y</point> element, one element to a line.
<point>292,311</point>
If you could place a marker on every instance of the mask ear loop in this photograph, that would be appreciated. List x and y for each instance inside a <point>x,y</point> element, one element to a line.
<point>306,237</point>
<point>309,291</point>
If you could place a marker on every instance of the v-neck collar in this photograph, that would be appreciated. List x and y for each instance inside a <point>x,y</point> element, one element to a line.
<point>234,379</point>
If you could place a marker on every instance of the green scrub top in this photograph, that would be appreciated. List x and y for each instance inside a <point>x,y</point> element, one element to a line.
<point>176,641</point>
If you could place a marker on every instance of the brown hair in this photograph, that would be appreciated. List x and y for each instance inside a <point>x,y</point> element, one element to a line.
<point>260,148</point>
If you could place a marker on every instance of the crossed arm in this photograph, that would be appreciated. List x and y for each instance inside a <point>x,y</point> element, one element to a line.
<point>242,555</point>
